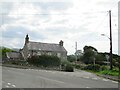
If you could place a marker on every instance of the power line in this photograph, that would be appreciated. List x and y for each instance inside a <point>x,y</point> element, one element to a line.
<point>101,21</point>
<point>54,13</point>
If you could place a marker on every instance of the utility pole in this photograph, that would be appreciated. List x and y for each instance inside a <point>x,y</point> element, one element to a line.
<point>76,51</point>
<point>111,65</point>
<point>75,46</point>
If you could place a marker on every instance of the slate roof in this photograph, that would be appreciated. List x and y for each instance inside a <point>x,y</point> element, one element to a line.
<point>13,55</point>
<point>45,46</point>
<point>15,49</point>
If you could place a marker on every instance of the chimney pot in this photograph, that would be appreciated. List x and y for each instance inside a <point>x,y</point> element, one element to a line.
<point>61,43</point>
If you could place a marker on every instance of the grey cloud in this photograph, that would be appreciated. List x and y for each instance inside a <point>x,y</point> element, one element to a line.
<point>61,21</point>
<point>5,7</point>
<point>12,32</point>
<point>45,7</point>
<point>91,37</point>
<point>20,32</point>
<point>53,5</point>
<point>54,31</point>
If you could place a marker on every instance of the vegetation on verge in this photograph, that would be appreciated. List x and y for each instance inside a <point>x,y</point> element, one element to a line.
<point>3,51</point>
<point>67,66</point>
<point>90,60</point>
<point>44,60</point>
<point>94,61</point>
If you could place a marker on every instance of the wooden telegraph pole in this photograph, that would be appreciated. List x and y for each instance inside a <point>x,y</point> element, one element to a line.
<point>111,65</point>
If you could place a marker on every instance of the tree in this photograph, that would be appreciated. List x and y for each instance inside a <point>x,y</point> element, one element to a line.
<point>71,58</point>
<point>89,54</point>
<point>3,51</point>
<point>116,58</point>
<point>78,55</point>
<point>100,59</point>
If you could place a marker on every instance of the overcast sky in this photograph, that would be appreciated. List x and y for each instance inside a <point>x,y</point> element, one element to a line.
<point>81,21</point>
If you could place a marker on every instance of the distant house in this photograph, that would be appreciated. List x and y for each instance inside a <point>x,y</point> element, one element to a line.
<point>79,53</point>
<point>38,48</point>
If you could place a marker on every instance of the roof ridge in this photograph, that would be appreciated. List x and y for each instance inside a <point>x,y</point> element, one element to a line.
<point>43,42</point>
<point>45,46</point>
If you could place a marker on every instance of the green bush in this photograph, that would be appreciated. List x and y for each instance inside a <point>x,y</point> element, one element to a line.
<point>77,66</point>
<point>64,63</point>
<point>71,58</point>
<point>14,62</point>
<point>19,62</point>
<point>95,67</point>
<point>44,60</point>
<point>67,66</point>
<point>104,68</point>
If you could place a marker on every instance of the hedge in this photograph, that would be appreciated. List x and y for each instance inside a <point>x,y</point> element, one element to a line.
<point>95,67</point>
<point>44,60</point>
<point>67,66</point>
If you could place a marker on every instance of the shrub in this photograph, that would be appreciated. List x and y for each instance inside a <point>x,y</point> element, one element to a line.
<point>67,66</point>
<point>44,60</point>
<point>64,63</point>
<point>71,58</point>
<point>19,62</point>
<point>77,66</point>
<point>89,67</point>
<point>95,67</point>
<point>115,69</point>
<point>14,62</point>
<point>104,67</point>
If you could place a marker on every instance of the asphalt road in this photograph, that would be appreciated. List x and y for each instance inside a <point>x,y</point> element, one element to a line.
<point>30,78</point>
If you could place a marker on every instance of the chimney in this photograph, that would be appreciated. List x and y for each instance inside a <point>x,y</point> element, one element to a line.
<point>61,43</point>
<point>26,39</point>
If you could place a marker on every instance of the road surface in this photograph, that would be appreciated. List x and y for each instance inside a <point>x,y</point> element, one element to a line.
<point>33,78</point>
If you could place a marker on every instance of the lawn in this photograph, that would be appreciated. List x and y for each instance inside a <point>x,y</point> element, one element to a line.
<point>109,72</point>
<point>114,72</point>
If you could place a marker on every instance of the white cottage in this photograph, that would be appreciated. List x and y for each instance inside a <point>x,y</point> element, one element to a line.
<point>38,48</point>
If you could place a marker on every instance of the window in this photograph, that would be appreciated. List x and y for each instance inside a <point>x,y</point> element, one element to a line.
<point>38,53</point>
<point>49,53</point>
<point>58,54</point>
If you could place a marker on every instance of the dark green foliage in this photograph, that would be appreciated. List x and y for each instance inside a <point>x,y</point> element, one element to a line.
<point>3,51</point>
<point>115,60</point>
<point>100,59</point>
<point>79,66</point>
<point>64,63</point>
<point>89,54</point>
<point>16,62</point>
<point>67,66</point>
<point>71,58</point>
<point>88,48</point>
<point>104,67</point>
<point>44,60</point>
<point>95,67</point>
